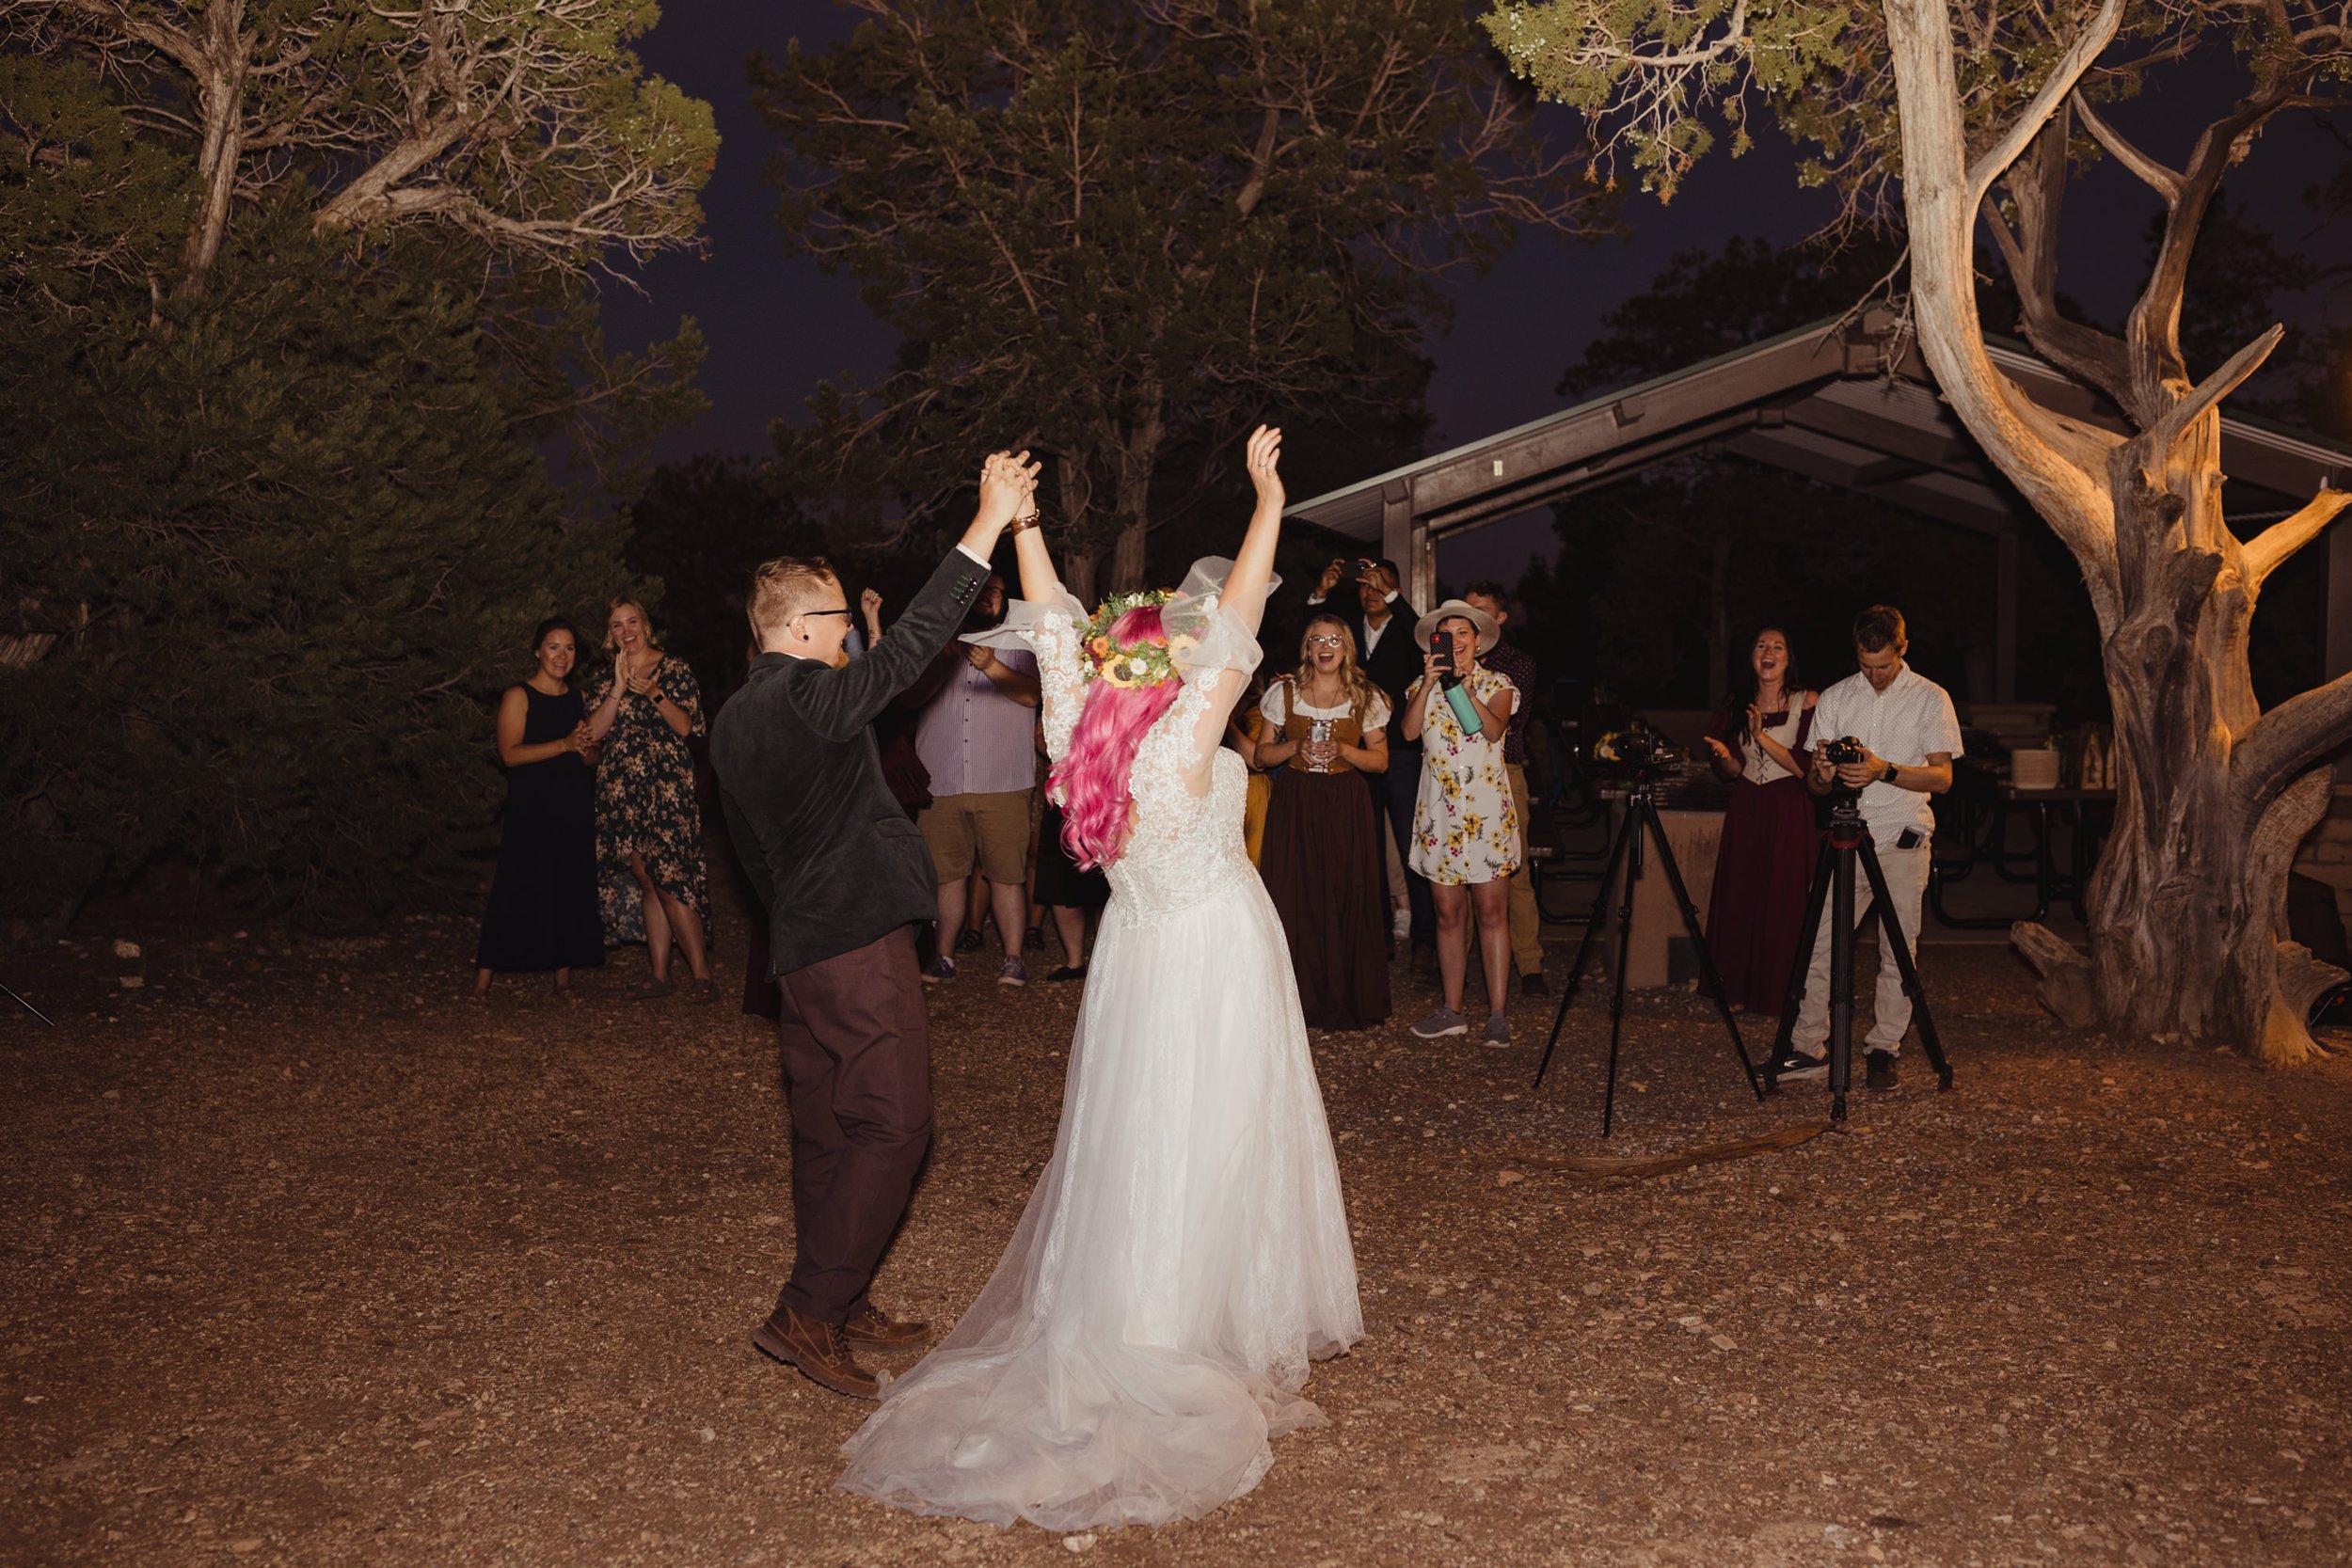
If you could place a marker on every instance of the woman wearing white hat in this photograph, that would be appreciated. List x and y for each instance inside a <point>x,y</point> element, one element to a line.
<point>1465,832</point>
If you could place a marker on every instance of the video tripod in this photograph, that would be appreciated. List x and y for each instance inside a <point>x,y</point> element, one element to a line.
<point>1641,814</point>
<point>1833,880</point>
<point>27,1007</point>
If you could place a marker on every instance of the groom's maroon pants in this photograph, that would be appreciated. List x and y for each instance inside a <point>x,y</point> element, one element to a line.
<point>857,1066</point>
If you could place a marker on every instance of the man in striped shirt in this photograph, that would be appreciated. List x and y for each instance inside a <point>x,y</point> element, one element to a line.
<point>1910,735</point>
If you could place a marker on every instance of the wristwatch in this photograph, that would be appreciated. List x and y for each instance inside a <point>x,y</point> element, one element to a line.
<point>1887,777</point>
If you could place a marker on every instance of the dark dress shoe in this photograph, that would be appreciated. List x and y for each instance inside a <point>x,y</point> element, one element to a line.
<point>1878,1070</point>
<point>874,1327</point>
<point>1532,985</point>
<point>818,1350</point>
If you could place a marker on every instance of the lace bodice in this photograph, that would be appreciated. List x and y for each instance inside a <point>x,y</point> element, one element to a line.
<point>1183,846</point>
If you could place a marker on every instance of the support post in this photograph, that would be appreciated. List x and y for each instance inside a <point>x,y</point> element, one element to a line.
<point>1404,540</point>
<point>2005,616</point>
<point>2336,648</point>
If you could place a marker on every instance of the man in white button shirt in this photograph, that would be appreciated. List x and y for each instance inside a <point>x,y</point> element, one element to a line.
<point>1910,735</point>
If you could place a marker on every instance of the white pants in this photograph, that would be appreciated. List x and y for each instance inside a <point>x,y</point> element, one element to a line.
<point>1906,873</point>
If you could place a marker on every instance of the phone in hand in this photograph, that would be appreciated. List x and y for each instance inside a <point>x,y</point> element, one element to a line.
<point>1441,649</point>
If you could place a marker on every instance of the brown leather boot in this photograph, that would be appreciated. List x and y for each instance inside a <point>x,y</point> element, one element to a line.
<point>876,1328</point>
<point>817,1350</point>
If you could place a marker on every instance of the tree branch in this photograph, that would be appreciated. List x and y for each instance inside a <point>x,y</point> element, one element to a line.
<point>2088,45</point>
<point>2152,331</point>
<point>2027,442</point>
<point>2281,745</point>
<point>2210,391</point>
<point>2151,173</point>
<point>2274,545</point>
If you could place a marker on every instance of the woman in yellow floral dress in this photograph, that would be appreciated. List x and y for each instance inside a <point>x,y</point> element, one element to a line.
<point>1466,832</point>
<point>652,883</point>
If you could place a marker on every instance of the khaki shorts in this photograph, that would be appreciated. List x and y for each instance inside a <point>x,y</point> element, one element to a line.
<point>993,827</point>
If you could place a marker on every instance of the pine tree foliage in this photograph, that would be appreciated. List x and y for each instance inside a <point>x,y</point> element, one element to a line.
<point>1121,232</point>
<point>274,540</point>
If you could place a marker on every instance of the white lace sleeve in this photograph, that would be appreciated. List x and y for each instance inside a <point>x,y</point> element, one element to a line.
<point>1049,629</point>
<point>1202,640</point>
<point>1211,651</point>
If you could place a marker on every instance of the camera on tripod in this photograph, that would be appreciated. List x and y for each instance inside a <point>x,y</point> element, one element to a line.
<point>1844,752</point>
<point>1636,753</point>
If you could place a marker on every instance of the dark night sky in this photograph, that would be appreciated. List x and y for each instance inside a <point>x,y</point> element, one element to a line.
<point>776,325</point>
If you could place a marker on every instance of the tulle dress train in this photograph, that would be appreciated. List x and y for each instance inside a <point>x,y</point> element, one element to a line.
<point>1185,1254</point>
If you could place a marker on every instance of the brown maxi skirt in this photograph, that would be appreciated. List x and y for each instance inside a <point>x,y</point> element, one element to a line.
<point>1321,865</point>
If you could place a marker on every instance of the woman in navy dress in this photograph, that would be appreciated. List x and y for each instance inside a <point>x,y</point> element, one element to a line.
<point>542,912</point>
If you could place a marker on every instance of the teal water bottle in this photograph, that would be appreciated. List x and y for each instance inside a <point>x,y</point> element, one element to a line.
<point>1465,711</point>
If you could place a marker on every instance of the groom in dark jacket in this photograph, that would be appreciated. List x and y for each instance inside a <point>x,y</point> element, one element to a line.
<point>844,875</point>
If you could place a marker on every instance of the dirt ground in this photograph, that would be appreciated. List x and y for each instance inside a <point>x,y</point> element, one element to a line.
<point>308,1260</point>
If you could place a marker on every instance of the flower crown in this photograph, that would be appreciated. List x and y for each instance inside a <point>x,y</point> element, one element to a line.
<point>1129,664</point>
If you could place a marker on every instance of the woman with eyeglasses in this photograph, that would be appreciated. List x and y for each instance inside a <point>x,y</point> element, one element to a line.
<point>1324,726</point>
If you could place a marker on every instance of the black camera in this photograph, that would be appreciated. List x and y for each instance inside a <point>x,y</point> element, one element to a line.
<point>1843,751</point>
<point>1635,750</point>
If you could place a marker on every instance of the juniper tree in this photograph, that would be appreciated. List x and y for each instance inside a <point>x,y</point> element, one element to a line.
<point>277,518</point>
<point>1975,119</point>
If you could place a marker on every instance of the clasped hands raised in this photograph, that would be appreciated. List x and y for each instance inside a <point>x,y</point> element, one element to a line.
<point>1007,487</point>
<point>1009,479</point>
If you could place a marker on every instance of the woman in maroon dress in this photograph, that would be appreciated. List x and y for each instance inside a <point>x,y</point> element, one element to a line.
<point>1765,859</point>
<point>1320,858</point>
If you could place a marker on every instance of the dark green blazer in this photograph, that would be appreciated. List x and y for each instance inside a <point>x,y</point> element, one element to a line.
<point>829,853</point>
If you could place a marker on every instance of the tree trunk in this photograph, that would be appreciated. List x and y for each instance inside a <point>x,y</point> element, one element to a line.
<point>220,100</point>
<point>1078,573</point>
<point>2189,901</point>
<point>2189,904</point>
<point>1135,459</point>
<point>1077,533</point>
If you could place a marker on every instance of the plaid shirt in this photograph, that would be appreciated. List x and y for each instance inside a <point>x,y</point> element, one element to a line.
<point>1519,666</point>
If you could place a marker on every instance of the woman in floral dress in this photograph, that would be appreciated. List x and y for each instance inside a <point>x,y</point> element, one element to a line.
<point>652,884</point>
<point>1466,832</point>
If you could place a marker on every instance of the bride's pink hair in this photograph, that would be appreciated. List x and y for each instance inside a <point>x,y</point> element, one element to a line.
<point>1091,781</point>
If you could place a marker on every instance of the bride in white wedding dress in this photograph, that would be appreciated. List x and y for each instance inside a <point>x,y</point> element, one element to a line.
<point>1186,1253</point>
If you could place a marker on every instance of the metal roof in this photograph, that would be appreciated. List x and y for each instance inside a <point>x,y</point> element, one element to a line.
<point>1838,400</point>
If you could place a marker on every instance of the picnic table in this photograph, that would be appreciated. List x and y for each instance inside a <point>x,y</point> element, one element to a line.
<point>1973,833</point>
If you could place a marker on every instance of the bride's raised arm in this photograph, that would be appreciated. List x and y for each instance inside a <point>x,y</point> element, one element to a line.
<point>1253,565</point>
<point>1047,620</point>
<point>1040,583</point>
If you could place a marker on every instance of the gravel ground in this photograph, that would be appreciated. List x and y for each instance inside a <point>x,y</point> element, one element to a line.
<point>308,1260</point>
